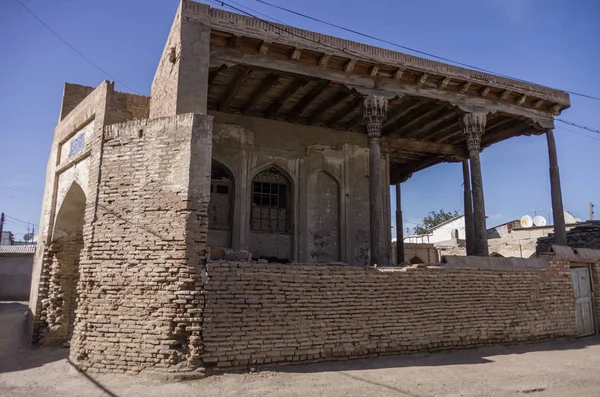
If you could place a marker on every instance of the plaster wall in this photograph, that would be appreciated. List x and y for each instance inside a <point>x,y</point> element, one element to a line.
<point>328,171</point>
<point>15,276</point>
<point>441,233</point>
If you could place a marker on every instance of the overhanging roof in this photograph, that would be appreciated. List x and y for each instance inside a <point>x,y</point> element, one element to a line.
<point>279,72</point>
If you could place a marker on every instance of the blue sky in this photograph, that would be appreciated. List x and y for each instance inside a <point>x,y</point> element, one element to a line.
<point>551,42</point>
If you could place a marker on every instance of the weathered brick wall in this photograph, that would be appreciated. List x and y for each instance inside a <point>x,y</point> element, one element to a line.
<point>73,94</point>
<point>140,294</point>
<point>259,313</point>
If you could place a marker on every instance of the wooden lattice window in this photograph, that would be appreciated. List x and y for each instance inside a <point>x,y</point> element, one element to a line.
<point>270,202</point>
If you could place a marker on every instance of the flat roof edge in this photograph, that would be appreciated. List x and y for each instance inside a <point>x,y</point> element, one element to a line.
<point>238,23</point>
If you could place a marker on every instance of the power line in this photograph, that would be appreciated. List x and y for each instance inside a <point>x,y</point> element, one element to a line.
<point>21,220</point>
<point>73,48</point>
<point>578,133</point>
<point>412,49</point>
<point>283,29</point>
<point>9,20</point>
<point>583,127</point>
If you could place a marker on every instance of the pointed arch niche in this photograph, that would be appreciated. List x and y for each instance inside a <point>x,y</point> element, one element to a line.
<point>323,218</point>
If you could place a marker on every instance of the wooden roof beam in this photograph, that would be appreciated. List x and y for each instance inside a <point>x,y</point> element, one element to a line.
<point>408,117</point>
<point>333,100</point>
<point>262,90</point>
<point>291,89</point>
<point>406,128</point>
<point>296,54</point>
<point>465,102</point>
<point>421,131</point>
<point>212,75</point>
<point>238,81</point>
<point>349,108</point>
<point>306,100</point>
<point>419,146</point>
<point>405,107</point>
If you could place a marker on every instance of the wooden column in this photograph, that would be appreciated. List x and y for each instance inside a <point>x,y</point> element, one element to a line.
<point>560,231</point>
<point>374,113</point>
<point>468,199</point>
<point>474,128</point>
<point>399,229</point>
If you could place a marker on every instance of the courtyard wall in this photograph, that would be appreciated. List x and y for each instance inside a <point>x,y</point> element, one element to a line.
<point>261,313</point>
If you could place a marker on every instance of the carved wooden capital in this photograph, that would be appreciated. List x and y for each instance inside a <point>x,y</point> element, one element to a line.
<point>473,125</point>
<point>374,109</point>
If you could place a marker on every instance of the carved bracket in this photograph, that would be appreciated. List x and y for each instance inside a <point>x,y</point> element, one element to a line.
<point>473,125</point>
<point>374,108</point>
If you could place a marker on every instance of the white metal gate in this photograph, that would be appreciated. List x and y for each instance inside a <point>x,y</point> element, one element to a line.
<point>584,317</point>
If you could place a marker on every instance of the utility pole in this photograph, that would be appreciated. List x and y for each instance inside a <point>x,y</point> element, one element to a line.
<point>591,211</point>
<point>1,226</point>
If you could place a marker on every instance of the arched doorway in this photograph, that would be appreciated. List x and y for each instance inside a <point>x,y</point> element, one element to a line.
<point>220,207</point>
<point>65,250</point>
<point>270,216</point>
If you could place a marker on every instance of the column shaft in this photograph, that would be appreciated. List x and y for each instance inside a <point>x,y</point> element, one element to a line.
<point>374,113</point>
<point>468,199</point>
<point>560,232</point>
<point>474,128</point>
<point>399,229</point>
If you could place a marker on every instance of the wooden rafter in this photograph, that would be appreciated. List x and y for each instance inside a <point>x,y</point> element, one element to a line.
<point>424,130</point>
<point>408,130</point>
<point>354,121</point>
<point>405,106</point>
<point>419,146</point>
<point>409,116</point>
<point>306,100</point>
<point>333,100</point>
<point>238,81</point>
<point>212,75</point>
<point>262,90</point>
<point>349,108</point>
<point>291,89</point>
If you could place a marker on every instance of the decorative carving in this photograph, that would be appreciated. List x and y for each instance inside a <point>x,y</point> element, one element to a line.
<point>505,95</point>
<point>474,127</point>
<point>485,92</point>
<point>374,113</point>
<point>423,78</point>
<point>374,70</point>
<point>521,100</point>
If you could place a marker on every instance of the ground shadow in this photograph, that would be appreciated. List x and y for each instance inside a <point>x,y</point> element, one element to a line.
<point>481,355</point>
<point>16,354</point>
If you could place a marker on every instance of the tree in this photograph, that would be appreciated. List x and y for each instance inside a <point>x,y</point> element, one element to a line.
<point>433,219</point>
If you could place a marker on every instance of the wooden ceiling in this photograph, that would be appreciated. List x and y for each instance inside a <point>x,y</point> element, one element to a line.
<point>419,132</point>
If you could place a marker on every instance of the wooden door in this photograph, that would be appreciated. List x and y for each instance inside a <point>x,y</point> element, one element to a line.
<point>584,317</point>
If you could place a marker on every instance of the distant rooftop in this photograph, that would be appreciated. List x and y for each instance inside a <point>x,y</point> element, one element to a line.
<point>17,249</point>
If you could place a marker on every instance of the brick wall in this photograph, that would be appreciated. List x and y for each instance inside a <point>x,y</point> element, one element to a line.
<point>260,313</point>
<point>140,298</point>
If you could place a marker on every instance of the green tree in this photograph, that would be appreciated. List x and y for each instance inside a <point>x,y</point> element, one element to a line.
<point>433,219</point>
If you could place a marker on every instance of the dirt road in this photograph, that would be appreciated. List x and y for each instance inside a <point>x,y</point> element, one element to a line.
<point>561,368</point>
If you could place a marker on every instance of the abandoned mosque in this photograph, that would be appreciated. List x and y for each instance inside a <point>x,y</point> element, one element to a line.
<point>240,214</point>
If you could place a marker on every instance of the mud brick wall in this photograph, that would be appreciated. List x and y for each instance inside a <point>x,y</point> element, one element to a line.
<point>140,294</point>
<point>261,313</point>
